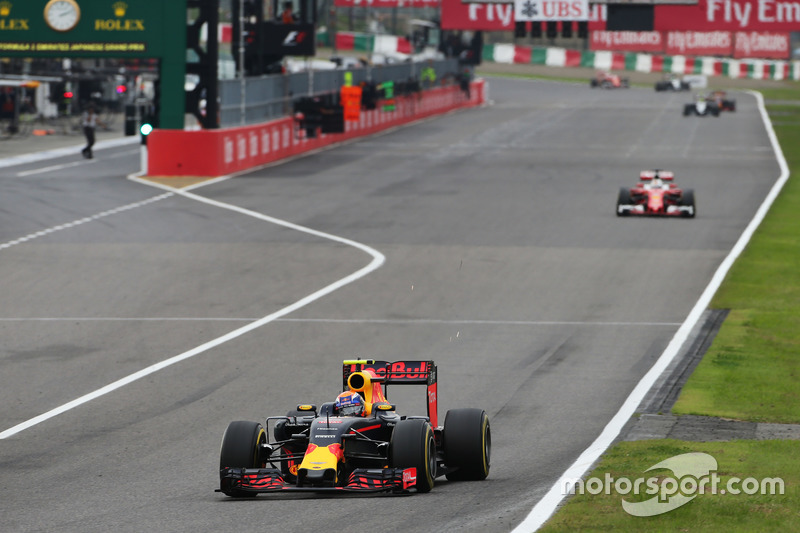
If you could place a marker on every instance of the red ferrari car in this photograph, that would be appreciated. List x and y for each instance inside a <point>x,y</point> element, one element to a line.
<point>606,80</point>
<point>656,195</point>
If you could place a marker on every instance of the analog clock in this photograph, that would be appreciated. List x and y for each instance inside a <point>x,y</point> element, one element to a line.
<point>62,15</point>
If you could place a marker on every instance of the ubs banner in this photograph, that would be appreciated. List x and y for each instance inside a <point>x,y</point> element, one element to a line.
<point>87,28</point>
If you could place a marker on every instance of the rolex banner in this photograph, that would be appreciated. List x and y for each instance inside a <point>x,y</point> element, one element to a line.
<point>551,10</point>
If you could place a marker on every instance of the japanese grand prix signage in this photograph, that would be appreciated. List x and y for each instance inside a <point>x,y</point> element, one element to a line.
<point>85,28</point>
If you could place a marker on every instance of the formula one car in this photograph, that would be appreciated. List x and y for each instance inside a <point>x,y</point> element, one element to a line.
<point>606,80</point>
<point>656,195</point>
<point>701,107</point>
<point>720,98</point>
<point>673,83</point>
<point>341,450</point>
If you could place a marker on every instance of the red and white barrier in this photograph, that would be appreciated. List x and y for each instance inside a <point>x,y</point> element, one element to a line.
<point>226,151</point>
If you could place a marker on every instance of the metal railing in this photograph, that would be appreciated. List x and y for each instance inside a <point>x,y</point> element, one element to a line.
<point>271,97</point>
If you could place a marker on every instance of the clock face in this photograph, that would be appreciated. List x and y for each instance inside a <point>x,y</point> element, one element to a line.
<point>62,15</point>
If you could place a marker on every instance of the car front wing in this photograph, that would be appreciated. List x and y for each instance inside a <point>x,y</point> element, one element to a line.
<point>261,480</point>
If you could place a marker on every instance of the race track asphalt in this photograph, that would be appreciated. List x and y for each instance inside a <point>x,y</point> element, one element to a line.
<point>505,263</point>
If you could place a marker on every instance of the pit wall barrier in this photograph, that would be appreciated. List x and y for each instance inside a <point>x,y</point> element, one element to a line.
<point>211,153</point>
<point>757,69</point>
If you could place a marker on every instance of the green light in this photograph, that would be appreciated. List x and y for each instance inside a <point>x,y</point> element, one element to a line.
<point>146,129</point>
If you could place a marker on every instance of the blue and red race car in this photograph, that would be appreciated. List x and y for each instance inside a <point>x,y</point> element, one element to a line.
<point>656,195</point>
<point>375,449</point>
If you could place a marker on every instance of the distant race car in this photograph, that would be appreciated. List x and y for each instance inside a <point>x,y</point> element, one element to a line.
<point>720,98</point>
<point>656,195</point>
<point>358,443</point>
<point>702,107</point>
<point>673,83</point>
<point>606,80</point>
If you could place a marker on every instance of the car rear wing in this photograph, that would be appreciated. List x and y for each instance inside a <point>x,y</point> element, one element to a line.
<point>398,373</point>
<point>647,175</point>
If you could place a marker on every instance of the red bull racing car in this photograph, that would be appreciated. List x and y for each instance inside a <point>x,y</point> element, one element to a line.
<point>656,195</point>
<point>359,443</point>
<point>720,98</point>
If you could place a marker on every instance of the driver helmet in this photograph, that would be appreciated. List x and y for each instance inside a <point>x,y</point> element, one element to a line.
<point>349,403</point>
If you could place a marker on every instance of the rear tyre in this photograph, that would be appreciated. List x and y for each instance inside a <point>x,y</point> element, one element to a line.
<point>688,200</point>
<point>624,198</point>
<point>687,110</point>
<point>413,446</point>
<point>593,83</point>
<point>467,444</point>
<point>240,445</point>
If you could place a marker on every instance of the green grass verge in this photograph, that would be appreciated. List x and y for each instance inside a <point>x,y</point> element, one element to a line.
<point>707,512</point>
<point>752,368</point>
<point>750,373</point>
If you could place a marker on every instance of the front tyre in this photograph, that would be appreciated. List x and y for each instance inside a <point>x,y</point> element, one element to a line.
<point>240,447</point>
<point>467,444</point>
<point>687,199</point>
<point>413,446</point>
<point>623,199</point>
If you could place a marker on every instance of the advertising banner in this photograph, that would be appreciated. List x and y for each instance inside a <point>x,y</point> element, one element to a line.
<point>761,45</point>
<point>627,41</point>
<point>488,17</point>
<point>730,15</point>
<point>598,14</point>
<point>386,3</point>
<point>551,10</point>
<point>699,43</point>
<point>95,28</point>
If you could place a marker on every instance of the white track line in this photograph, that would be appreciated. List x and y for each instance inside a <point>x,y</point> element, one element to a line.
<point>54,168</point>
<point>421,321</point>
<point>377,260</point>
<point>35,157</point>
<point>547,505</point>
<point>80,221</point>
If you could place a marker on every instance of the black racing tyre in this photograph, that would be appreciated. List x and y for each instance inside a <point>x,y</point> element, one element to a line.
<point>661,86</point>
<point>624,198</point>
<point>687,110</point>
<point>685,86</point>
<point>467,444</point>
<point>239,449</point>
<point>413,445</point>
<point>687,199</point>
<point>593,83</point>
<point>731,105</point>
